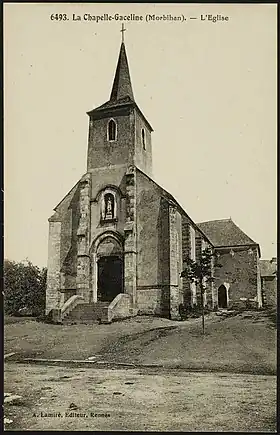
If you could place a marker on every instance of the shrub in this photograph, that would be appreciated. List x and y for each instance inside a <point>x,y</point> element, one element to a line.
<point>24,288</point>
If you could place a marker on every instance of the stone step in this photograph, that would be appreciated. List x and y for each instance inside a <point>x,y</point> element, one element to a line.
<point>88,312</point>
<point>72,321</point>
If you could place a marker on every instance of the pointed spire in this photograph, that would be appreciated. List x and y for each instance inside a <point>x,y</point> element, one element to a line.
<point>122,84</point>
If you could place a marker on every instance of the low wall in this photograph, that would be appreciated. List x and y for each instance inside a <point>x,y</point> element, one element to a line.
<point>270,290</point>
<point>120,307</point>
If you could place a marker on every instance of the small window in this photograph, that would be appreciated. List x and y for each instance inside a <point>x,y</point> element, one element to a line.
<point>143,138</point>
<point>109,203</point>
<point>112,130</point>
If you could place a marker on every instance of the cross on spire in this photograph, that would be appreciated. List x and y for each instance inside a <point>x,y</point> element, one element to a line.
<point>122,84</point>
<point>123,30</point>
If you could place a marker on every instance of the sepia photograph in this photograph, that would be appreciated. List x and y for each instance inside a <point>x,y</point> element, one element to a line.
<point>140,248</point>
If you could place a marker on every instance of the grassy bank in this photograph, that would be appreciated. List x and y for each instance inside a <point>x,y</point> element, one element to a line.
<point>245,342</point>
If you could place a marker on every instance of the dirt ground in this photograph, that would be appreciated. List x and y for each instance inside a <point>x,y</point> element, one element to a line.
<point>142,399</point>
<point>245,342</point>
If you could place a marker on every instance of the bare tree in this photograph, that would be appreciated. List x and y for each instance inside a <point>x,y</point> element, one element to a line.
<point>200,272</point>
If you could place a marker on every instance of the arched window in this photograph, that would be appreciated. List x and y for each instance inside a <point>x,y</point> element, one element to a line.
<point>112,130</point>
<point>143,138</point>
<point>109,206</point>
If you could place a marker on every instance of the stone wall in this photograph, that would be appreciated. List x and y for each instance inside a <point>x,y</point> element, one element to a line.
<point>151,222</point>
<point>128,146</point>
<point>239,270</point>
<point>153,259</point>
<point>53,275</point>
<point>62,253</point>
<point>102,152</point>
<point>101,178</point>
<point>269,289</point>
<point>193,242</point>
<point>68,212</point>
<point>130,244</point>
<point>159,250</point>
<point>176,267</point>
<point>83,239</point>
<point>143,157</point>
<point>153,300</point>
<point>186,248</point>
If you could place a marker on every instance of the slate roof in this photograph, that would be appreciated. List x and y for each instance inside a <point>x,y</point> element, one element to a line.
<point>122,83</point>
<point>115,103</point>
<point>225,232</point>
<point>268,268</point>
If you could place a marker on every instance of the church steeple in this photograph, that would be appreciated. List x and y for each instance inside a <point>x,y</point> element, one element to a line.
<point>119,133</point>
<point>122,83</point>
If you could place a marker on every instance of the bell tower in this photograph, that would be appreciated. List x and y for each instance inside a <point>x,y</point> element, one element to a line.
<point>119,133</point>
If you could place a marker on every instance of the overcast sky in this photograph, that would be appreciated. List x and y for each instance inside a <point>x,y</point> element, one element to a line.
<point>208,89</point>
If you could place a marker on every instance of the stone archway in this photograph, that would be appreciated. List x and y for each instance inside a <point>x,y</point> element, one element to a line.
<point>222,296</point>
<point>107,267</point>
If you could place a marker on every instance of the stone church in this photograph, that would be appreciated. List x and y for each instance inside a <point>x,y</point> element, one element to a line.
<point>117,240</point>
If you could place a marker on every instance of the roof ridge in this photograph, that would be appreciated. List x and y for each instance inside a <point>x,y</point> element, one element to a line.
<point>176,202</point>
<point>216,220</point>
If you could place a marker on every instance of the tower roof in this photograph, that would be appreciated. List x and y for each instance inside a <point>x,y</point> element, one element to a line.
<point>122,93</point>
<point>122,83</point>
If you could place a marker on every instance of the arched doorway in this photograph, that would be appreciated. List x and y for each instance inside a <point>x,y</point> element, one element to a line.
<point>110,277</point>
<point>107,267</point>
<point>222,297</point>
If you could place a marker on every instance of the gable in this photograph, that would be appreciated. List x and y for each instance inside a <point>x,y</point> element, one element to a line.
<point>224,233</point>
<point>171,200</point>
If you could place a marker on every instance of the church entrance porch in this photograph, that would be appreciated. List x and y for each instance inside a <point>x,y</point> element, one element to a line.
<point>107,268</point>
<point>222,297</point>
<point>109,278</point>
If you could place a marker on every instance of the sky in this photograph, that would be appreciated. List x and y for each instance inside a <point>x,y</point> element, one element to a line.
<point>208,89</point>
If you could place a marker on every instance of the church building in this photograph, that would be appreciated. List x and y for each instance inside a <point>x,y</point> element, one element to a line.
<point>117,240</point>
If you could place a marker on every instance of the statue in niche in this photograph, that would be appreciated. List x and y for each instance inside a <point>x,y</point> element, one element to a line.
<point>109,206</point>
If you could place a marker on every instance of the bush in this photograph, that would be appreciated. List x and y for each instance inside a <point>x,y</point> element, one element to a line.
<point>24,288</point>
<point>187,311</point>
